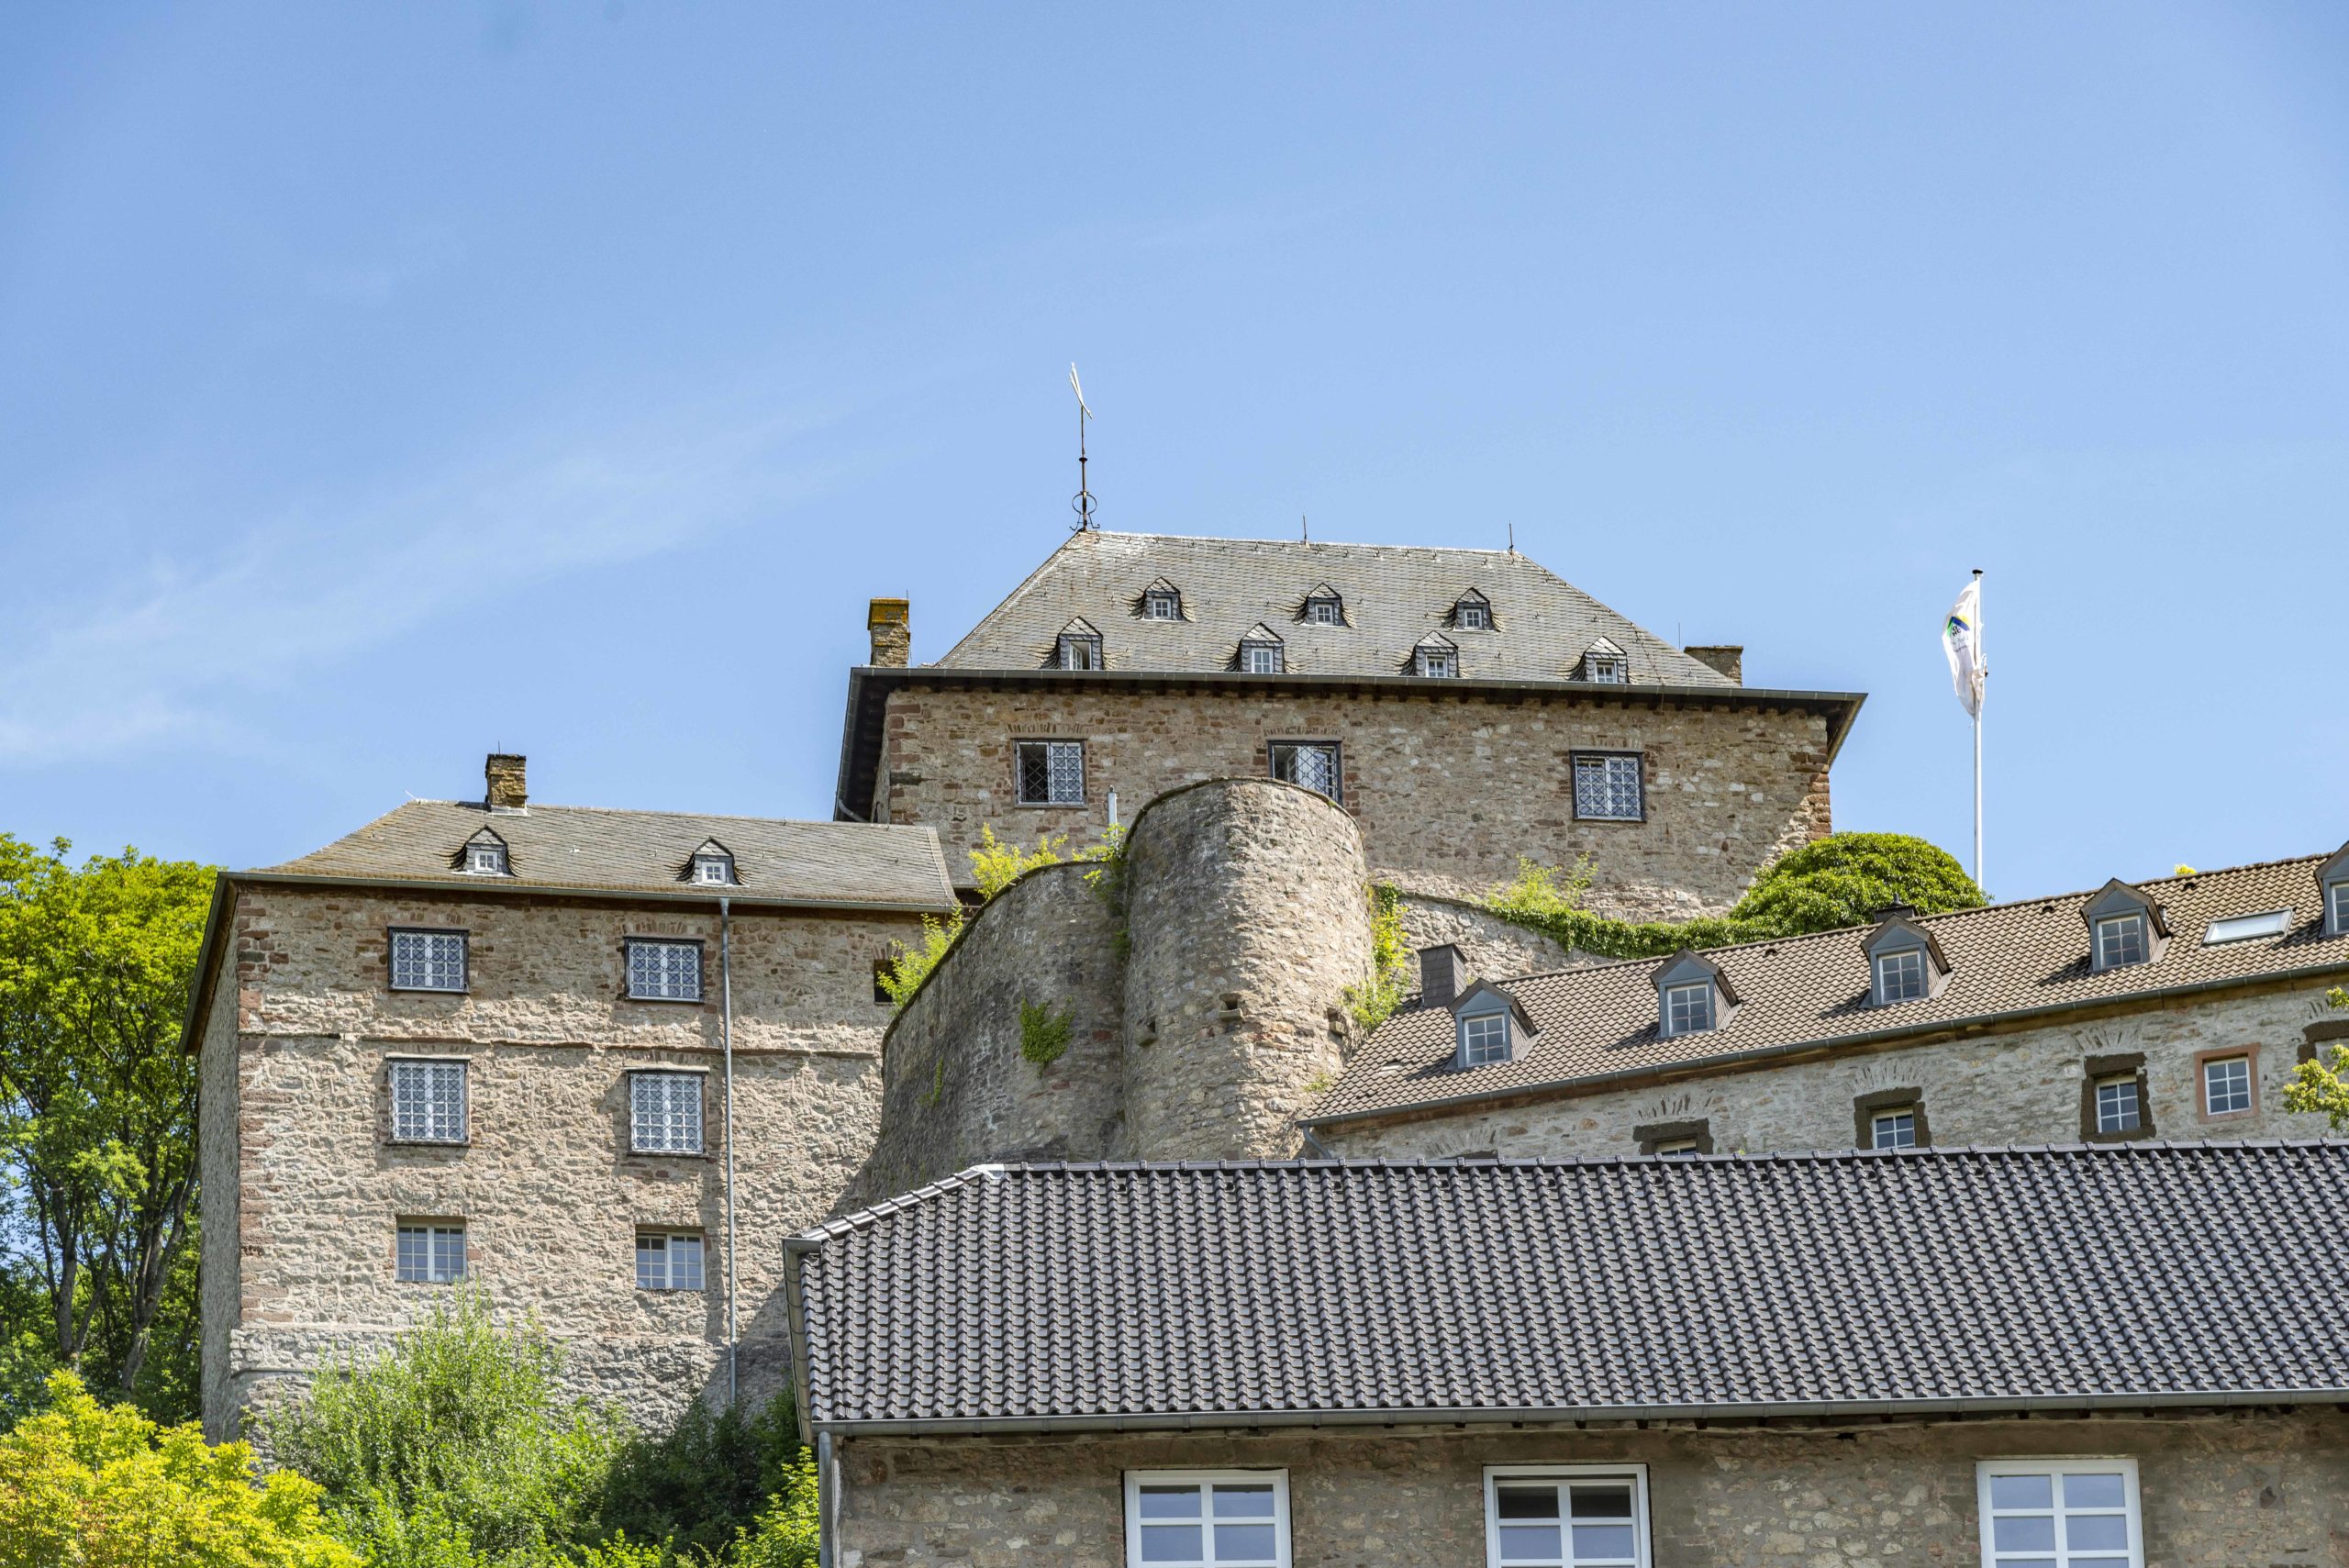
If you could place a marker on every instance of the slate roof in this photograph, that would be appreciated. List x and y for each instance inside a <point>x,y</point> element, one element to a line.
<point>582,849</point>
<point>2007,958</point>
<point>1393,595</point>
<point>1945,1279</point>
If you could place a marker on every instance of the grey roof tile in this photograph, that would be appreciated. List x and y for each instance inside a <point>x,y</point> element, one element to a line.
<point>1600,1020</point>
<point>1923,1279</point>
<point>590,848</point>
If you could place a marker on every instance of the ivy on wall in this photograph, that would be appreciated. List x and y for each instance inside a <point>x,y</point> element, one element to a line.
<point>1043,1033</point>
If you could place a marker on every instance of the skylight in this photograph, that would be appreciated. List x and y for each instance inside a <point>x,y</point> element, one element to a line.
<point>2242,928</point>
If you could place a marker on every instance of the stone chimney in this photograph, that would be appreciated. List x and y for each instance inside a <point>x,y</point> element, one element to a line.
<point>506,790</point>
<point>1728,659</point>
<point>893,633</point>
<point>1443,972</point>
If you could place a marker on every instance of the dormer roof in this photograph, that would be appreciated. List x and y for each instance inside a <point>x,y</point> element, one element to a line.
<point>1483,997</point>
<point>2118,897</point>
<point>1259,632</point>
<point>1896,932</point>
<point>1687,966</point>
<point>2334,869</point>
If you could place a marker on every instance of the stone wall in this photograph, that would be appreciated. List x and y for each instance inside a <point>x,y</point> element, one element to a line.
<point>2216,1488</point>
<point>1495,949</point>
<point>549,1192</point>
<point>219,1286</point>
<point>957,1090</point>
<point>1449,788</point>
<point>2022,1086</point>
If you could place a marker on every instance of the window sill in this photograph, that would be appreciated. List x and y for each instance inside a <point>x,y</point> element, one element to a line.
<point>633,1154</point>
<point>669,1001</point>
<point>672,1290</point>
<point>428,1143</point>
<point>2134,1135</point>
<point>430,990</point>
<point>1611,821</point>
<point>1049,805</point>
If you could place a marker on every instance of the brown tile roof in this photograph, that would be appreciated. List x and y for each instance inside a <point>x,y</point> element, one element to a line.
<point>585,848</point>
<point>1395,596</point>
<point>2005,960</point>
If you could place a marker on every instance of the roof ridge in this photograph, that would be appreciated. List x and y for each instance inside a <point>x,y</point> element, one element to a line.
<point>872,1214</point>
<point>651,811</point>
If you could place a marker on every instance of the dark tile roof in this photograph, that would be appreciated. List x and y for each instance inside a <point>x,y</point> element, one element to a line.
<point>1924,1279</point>
<point>2006,959</point>
<point>1393,597</point>
<point>588,848</point>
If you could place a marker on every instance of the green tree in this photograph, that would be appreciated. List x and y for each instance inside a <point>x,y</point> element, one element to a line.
<point>97,1106</point>
<point>85,1487</point>
<point>2323,1084</point>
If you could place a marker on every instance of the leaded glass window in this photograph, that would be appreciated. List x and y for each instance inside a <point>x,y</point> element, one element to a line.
<point>668,1260</point>
<point>1593,1521</point>
<point>428,961</point>
<point>428,1101</point>
<point>1484,1038</point>
<point>2226,1085</point>
<point>1311,763</point>
<point>2060,1514</point>
<point>1901,976</point>
<point>663,971</point>
<point>1207,1519</point>
<point>429,1255</point>
<point>2120,939</point>
<point>1689,1009</point>
<point>2116,1104</point>
<point>1607,789</point>
<point>664,1113</point>
<point>1052,772</point>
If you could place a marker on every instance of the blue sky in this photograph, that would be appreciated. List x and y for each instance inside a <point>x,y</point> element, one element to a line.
<point>383,384</point>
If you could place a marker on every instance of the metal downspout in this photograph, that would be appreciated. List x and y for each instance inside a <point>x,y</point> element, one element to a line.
<point>725,1039</point>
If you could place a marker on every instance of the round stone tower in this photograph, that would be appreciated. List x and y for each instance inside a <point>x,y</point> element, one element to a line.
<point>1247,909</point>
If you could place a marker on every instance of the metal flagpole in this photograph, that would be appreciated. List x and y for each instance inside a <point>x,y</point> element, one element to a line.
<point>1982,682</point>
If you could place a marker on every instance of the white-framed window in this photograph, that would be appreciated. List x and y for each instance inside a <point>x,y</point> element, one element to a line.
<point>2226,1085</point>
<point>2245,927</point>
<point>1473,615</point>
<point>1566,1517</point>
<point>660,970</point>
<point>1688,1009</point>
<point>428,1102</point>
<point>429,1252</point>
<point>1052,772</point>
<point>2120,939</point>
<point>668,1260</point>
<point>1894,1128</point>
<point>664,1113</point>
<point>713,870</point>
<point>1162,603</point>
<point>1901,976</point>
<point>1325,609</point>
<point>2060,1513</point>
<point>428,961</point>
<point>1311,763</point>
<point>2117,1110</point>
<point>484,859</point>
<point>1262,657</point>
<point>1436,663</point>
<point>1484,1037</point>
<point>1606,787</point>
<point>2337,894</point>
<point>1677,1146</point>
<point>1207,1518</point>
<point>1076,650</point>
<point>1606,669</point>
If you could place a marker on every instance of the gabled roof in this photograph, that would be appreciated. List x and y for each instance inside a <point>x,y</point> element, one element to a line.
<point>1923,1281</point>
<point>2006,961</point>
<point>1259,632</point>
<point>1483,997</point>
<point>2116,897</point>
<point>1393,595</point>
<point>1902,929</point>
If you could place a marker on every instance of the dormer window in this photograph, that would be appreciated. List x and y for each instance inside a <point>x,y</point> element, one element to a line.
<point>2339,911</point>
<point>2332,881</point>
<point>1692,996</point>
<point>1161,601</point>
<point>1905,961</point>
<point>485,855</point>
<point>1606,664</point>
<point>1901,976</point>
<point>1324,607</point>
<point>1489,1024</point>
<point>1078,647</point>
<point>1436,659</point>
<point>2120,939</point>
<point>1689,1009</point>
<point>1261,653</point>
<point>1473,612</point>
<point>713,866</point>
<point>1484,1038</point>
<point>2125,927</point>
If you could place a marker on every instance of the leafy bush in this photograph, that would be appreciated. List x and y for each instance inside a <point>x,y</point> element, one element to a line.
<point>2321,1085</point>
<point>995,866</point>
<point>787,1533</point>
<point>1043,1033</point>
<point>698,1486</point>
<point>86,1486</point>
<point>456,1445</point>
<point>1390,961</point>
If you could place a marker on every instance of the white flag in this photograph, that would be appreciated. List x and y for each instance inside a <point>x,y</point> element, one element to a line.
<point>1962,641</point>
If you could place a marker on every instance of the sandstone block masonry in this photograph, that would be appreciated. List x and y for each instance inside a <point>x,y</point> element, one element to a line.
<point>304,1186</point>
<point>1204,997</point>
<point>1449,787</point>
<point>2232,1488</point>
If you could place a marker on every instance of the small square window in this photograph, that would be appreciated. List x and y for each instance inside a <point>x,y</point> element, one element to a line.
<point>1484,1038</point>
<point>663,971</point>
<point>1605,670</point>
<point>1689,1009</point>
<point>664,1113</point>
<point>1573,1519</point>
<point>2226,1085</point>
<point>2059,1514</point>
<point>668,1260</point>
<point>1607,789</point>
<point>1473,615</point>
<point>2116,1104</point>
<point>1676,1146</point>
<point>1162,603</point>
<point>485,860</point>
<point>428,1102</point>
<point>1210,1518</point>
<point>428,961</point>
<point>1311,763</point>
<point>1895,1129</point>
<point>1076,653</point>
<point>1436,663</point>
<point>1261,657</point>
<point>714,871</point>
<point>429,1254</point>
<point>2120,941</point>
<point>1325,610</point>
<point>1901,976</point>
<point>1052,772</point>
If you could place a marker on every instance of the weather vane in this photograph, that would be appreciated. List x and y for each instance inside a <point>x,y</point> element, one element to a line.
<point>1082,503</point>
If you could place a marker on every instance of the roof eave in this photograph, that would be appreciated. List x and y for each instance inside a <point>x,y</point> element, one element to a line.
<point>208,962</point>
<point>508,886</point>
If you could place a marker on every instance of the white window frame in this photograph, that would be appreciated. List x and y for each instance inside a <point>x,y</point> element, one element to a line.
<point>1894,1115</point>
<point>1205,1480</point>
<point>1985,1516</point>
<point>2250,1094</point>
<point>2337,896</point>
<point>1152,598</point>
<point>1325,609</point>
<point>485,860</point>
<point>427,1075</point>
<point>1077,651</point>
<point>639,1086</point>
<point>1337,755</point>
<point>1904,960</point>
<point>1568,1474</point>
<point>1261,657</point>
<point>2133,921</point>
<point>434,962</point>
<point>1711,1009</point>
<point>1055,753</point>
<point>714,871</point>
<point>1473,615</point>
<point>435,1233</point>
<point>670,1278</point>
<point>1677,1146</point>
<point>1481,1047</point>
<point>2136,1103</point>
<point>629,947</point>
<point>1605,670</point>
<point>1608,766</point>
<point>1436,663</point>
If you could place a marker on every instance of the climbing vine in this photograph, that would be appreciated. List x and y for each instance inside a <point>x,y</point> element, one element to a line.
<point>1390,961</point>
<point>1043,1033</point>
<point>996,865</point>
